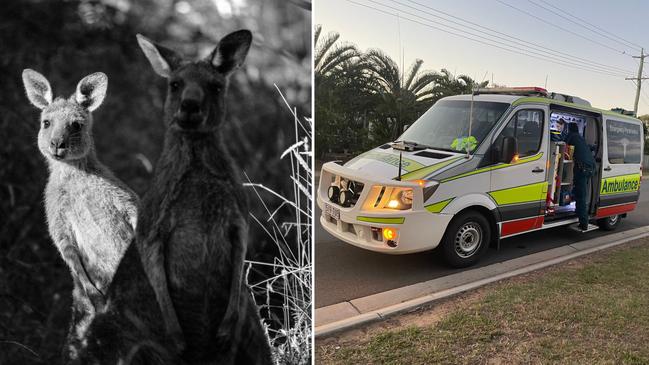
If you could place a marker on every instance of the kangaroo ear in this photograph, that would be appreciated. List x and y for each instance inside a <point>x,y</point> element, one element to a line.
<point>162,59</point>
<point>38,88</point>
<point>231,51</point>
<point>91,90</point>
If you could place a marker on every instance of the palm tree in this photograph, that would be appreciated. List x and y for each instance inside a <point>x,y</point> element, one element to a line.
<point>341,79</point>
<point>332,57</point>
<point>452,85</point>
<point>401,97</point>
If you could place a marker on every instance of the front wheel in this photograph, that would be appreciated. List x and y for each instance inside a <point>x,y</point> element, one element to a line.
<point>466,239</point>
<point>609,223</point>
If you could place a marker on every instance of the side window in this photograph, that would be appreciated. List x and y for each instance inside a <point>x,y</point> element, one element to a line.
<point>624,142</point>
<point>527,127</point>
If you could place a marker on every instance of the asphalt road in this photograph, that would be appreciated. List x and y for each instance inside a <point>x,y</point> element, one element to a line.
<point>344,272</point>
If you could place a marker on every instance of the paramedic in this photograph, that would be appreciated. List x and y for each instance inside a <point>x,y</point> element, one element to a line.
<point>559,135</point>
<point>583,170</point>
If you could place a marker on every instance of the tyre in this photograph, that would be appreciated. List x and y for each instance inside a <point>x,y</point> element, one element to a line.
<point>466,239</point>
<point>609,223</point>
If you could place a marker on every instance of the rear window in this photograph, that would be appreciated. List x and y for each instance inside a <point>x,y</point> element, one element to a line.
<point>624,142</point>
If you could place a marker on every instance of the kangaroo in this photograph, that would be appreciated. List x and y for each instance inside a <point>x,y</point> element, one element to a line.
<point>192,229</point>
<point>91,215</point>
<point>129,329</point>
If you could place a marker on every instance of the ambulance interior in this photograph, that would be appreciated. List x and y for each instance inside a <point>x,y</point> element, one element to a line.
<point>560,203</point>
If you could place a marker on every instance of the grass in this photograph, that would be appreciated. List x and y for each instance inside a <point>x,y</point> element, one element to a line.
<point>592,311</point>
<point>289,287</point>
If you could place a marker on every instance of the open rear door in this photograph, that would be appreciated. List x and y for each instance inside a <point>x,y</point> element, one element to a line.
<point>621,166</point>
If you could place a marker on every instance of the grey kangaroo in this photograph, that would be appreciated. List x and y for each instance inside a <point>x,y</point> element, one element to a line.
<point>192,232</point>
<point>91,214</point>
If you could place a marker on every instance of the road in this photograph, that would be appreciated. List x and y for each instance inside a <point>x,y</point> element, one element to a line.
<point>344,272</point>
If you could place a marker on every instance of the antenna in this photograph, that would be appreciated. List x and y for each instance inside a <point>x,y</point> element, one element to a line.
<point>546,82</point>
<point>468,145</point>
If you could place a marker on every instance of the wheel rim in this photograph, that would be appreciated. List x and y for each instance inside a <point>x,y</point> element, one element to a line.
<point>468,239</point>
<point>613,220</point>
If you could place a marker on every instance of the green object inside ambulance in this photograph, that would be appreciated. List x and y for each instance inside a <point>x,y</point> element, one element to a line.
<point>465,143</point>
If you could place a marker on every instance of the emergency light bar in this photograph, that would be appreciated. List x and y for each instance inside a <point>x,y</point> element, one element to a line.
<point>532,91</point>
<point>524,90</point>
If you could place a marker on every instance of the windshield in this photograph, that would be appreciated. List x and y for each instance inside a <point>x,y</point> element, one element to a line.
<point>445,125</point>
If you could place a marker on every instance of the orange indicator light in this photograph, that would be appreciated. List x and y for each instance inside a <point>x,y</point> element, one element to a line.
<point>389,233</point>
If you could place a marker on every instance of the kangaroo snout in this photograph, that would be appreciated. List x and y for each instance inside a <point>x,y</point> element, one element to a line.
<point>58,147</point>
<point>189,115</point>
<point>190,106</point>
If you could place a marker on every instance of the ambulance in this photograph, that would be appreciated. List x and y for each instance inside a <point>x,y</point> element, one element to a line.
<point>478,168</point>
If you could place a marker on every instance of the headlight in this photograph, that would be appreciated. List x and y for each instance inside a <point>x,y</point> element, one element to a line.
<point>345,198</point>
<point>400,198</point>
<point>406,197</point>
<point>333,192</point>
<point>344,191</point>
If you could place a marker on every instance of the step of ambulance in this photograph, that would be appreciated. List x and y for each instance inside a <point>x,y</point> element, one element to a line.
<point>591,227</point>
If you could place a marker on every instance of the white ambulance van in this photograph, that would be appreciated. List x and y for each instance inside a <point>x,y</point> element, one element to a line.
<point>477,168</point>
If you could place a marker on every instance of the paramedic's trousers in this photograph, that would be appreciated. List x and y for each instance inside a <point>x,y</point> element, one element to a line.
<point>581,196</point>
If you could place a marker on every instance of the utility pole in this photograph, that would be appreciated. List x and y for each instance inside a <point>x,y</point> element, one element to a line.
<point>638,80</point>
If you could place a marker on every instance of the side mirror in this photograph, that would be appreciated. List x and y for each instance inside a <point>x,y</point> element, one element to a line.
<point>406,126</point>
<point>508,150</point>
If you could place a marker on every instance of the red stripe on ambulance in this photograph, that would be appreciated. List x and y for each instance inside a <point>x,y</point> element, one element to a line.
<point>615,209</point>
<point>521,225</point>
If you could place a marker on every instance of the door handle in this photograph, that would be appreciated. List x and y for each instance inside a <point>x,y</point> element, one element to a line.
<point>607,168</point>
<point>537,170</point>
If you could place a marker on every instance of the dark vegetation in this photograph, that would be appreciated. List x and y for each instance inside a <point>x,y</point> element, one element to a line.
<point>365,98</point>
<point>66,40</point>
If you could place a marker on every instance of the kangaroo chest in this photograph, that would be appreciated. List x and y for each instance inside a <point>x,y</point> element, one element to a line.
<point>197,249</point>
<point>82,213</point>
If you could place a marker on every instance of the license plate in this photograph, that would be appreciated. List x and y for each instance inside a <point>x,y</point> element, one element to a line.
<point>333,212</point>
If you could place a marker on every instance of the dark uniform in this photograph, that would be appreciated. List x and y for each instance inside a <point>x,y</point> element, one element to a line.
<point>583,170</point>
<point>556,136</point>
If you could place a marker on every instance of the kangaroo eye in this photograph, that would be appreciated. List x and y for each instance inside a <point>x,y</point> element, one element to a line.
<point>174,85</point>
<point>46,123</point>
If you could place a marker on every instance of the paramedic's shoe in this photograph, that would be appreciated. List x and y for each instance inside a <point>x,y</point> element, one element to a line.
<point>578,228</point>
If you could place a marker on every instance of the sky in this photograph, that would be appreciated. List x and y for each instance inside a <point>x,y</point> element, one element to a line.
<point>403,36</point>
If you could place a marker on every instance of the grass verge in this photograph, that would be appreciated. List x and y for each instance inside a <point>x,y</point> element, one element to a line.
<point>590,310</point>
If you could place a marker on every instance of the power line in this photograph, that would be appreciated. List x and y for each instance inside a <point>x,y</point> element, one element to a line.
<point>517,51</point>
<point>559,14</point>
<point>592,25</point>
<point>506,37</point>
<point>545,56</point>
<point>560,27</point>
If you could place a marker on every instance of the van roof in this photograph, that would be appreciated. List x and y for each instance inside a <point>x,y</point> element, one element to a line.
<point>515,100</point>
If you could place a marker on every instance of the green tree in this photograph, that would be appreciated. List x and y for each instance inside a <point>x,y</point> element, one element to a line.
<point>341,94</point>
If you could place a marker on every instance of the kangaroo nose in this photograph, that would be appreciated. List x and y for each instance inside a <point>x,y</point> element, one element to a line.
<point>190,106</point>
<point>58,143</point>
